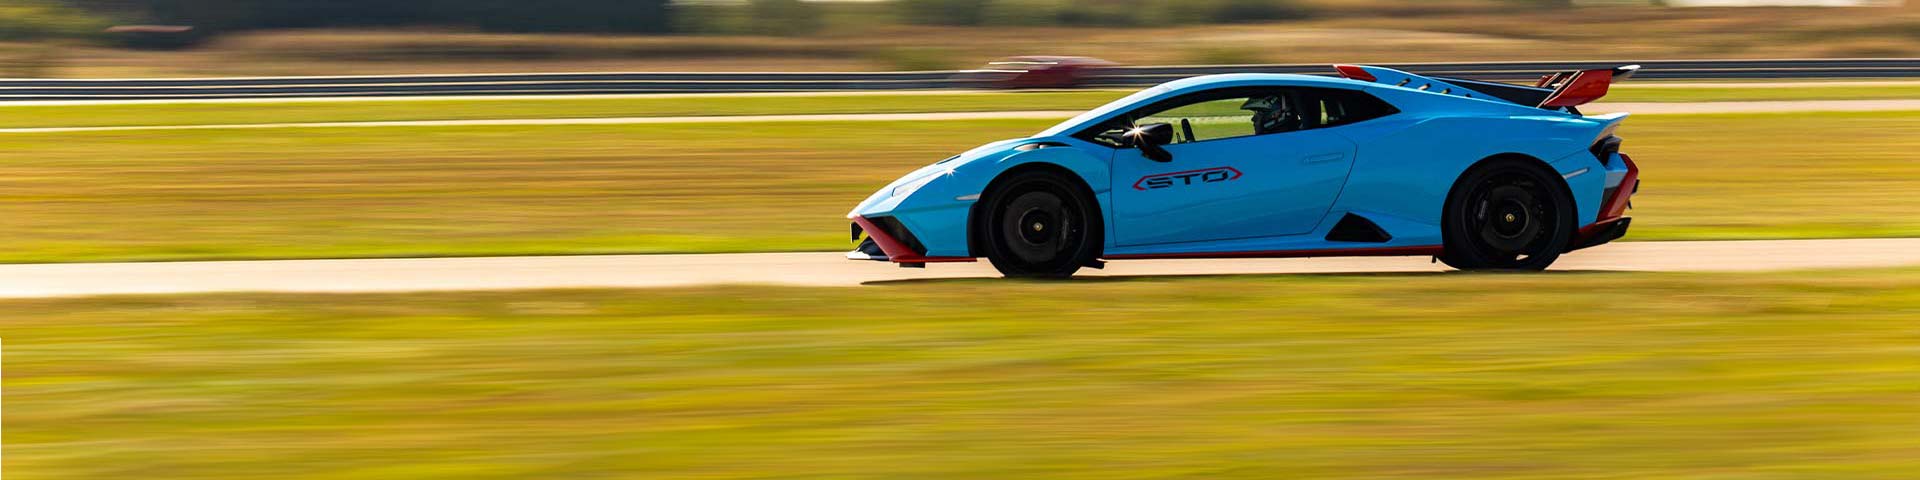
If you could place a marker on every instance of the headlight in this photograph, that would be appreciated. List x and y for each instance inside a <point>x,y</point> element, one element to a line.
<point>909,187</point>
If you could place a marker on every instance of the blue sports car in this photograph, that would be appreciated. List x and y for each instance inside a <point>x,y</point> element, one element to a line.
<point>1481,175</point>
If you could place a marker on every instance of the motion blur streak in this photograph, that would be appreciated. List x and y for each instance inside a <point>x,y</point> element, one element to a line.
<point>1411,375</point>
<point>418,286</point>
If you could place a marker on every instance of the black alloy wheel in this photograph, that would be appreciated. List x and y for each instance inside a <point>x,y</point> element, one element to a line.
<point>1040,224</point>
<point>1507,215</point>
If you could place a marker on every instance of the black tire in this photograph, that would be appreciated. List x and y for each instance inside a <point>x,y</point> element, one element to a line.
<point>1507,214</point>
<point>1038,224</point>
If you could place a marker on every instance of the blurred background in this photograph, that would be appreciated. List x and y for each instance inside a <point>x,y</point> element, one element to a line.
<point>1749,374</point>
<point>169,38</point>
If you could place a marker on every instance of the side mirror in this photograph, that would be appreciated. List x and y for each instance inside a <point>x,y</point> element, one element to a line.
<point>1149,138</point>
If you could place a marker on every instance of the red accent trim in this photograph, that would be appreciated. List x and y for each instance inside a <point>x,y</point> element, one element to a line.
<point>1333,252</point>
<point>1585,86</point>
<point>1354,72</point>
<point>1236,175</point>
<point>1590,230</point>
<point>1616,206</point>
<point>920,259</point>
<point>896,251</point>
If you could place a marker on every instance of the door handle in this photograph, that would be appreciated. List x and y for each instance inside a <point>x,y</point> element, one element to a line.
<point>1326,157</point>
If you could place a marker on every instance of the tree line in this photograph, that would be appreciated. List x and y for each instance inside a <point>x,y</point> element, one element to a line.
<point>27,19</point>
<point>497,15</point>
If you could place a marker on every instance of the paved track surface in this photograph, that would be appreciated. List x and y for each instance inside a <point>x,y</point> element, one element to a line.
<point>666,82</point>
<point>1637,108</point>
<point>832,270</point>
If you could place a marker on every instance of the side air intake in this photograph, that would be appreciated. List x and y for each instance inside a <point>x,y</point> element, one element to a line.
<point>1355,228</point>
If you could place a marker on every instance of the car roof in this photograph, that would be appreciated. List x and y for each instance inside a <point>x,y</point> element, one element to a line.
<point>1250,79</point>
<point>1204,82</point>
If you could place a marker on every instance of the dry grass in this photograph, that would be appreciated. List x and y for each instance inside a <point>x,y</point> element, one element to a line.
<point>1776,175</point>
<point>359,192</point>
<point>454,190</point>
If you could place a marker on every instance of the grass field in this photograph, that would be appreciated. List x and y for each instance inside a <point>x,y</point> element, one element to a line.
<point>644,106</point>
<point>304,193</point>
<point>1575,375</point>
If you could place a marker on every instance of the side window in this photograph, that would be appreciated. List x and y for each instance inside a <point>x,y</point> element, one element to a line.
<point>1208,120</point>
<point>1219,114</point>
<point>1335,107</point>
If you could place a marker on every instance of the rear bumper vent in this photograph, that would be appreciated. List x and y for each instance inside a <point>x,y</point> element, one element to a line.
<point>1605,148</point>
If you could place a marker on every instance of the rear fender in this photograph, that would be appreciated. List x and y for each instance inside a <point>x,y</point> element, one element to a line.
<point>1407,166</point>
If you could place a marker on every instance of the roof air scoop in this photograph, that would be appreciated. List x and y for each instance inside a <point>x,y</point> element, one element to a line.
<point>1354,72</point>
<point>1398,78</point>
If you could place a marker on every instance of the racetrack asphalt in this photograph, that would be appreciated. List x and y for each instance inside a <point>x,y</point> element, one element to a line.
<point>829,269</point>
<point>1650,108</point>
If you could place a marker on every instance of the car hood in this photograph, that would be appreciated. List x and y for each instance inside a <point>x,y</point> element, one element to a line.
<point>884,200</point>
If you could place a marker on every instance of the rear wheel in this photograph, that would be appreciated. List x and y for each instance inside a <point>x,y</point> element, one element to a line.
<point>1507,214</point>
<point>1039,224</point>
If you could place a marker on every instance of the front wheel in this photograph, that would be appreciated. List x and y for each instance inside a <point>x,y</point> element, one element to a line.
<point>1507,215</point>
<point>1039,224</point>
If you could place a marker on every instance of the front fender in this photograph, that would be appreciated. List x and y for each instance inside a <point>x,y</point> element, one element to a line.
<point>940,212</point>
<point>1091,163</point>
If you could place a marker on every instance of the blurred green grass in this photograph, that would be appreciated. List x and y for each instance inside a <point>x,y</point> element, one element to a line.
<point>1570,375</point>
<point>435,191</point>
<point>234,113</point>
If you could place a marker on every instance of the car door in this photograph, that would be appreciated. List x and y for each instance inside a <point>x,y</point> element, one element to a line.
<point>1235,171</point>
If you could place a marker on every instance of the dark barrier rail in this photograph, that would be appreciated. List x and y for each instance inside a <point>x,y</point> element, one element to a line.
<point>623,83</point>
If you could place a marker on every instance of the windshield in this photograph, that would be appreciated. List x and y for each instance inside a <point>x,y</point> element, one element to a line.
<point>1104,110</point>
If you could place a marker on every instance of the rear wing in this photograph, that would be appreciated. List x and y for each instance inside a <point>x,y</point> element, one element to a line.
<point>1580,87</point>
<point>1562,90</point>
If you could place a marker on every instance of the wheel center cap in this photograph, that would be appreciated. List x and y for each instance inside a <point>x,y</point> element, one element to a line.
<point>1039,227</point>
<point>1510,219</point>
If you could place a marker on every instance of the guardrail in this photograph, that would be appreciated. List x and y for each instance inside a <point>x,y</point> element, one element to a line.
<point>634,83</point>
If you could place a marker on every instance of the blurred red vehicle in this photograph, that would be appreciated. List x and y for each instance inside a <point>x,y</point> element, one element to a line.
<point>1038,71</point>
